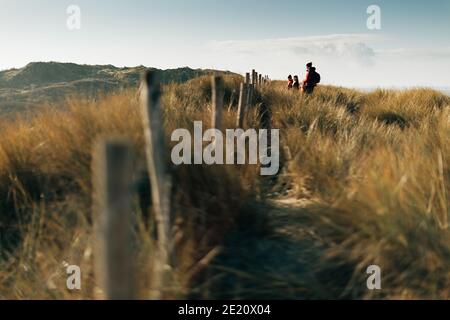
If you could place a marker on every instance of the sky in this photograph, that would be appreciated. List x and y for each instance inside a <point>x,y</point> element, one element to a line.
<point>277,38</point>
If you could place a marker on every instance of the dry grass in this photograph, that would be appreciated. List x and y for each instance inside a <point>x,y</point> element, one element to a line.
<point>372,169</point>
<point>382,187</point>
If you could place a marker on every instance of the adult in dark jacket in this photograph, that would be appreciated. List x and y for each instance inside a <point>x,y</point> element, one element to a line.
<point>311,80</point>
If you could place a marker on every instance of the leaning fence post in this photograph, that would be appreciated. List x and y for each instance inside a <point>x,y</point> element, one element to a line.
<point>112,172</point>
<point>159,178</point>
<point>242,105</point>
<point>217,101</point>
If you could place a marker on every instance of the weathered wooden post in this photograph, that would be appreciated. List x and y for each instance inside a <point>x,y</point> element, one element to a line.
<point>252,88</point>
<point>160,180</point>
<point>248,98</point>
<point>230,104</point>
<point>218,93</point>
<point>265,116</point>
<point>242,105</point>
<point>247,86</point>
<point>260,80</point>
<point>112,172</point>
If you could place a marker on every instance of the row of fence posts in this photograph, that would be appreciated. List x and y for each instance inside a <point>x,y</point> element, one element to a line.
<point>246,94</point>
<point>114,190</point>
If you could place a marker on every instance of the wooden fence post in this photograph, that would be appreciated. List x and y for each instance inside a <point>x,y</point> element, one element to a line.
<point>160,181</point>
<point>247,78</point>
<point>252,88</point>
<point>260,80</point>
<point>217,89</point>
<point>242,105</point>
<point>249,98</point>
<point>112,172</point>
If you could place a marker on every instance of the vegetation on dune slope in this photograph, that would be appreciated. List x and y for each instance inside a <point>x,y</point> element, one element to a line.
<point>365,180</point>
<point>40,83</point>
<point>381,187</point>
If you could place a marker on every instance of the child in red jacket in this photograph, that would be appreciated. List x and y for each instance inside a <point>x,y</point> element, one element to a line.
<point>290,82</point>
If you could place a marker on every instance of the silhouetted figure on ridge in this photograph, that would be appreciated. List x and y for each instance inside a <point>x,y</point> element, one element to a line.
<point>312,79</point>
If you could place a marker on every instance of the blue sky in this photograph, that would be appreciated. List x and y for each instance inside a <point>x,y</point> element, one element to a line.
<point>275,37</point>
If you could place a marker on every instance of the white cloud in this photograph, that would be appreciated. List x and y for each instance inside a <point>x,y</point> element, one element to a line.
<point>428,53</point>
<point>355,46</point>
<point>360,60</point>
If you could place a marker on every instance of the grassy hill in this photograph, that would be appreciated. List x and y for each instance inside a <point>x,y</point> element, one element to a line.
<point>365,180</point>
<point>41,83</point>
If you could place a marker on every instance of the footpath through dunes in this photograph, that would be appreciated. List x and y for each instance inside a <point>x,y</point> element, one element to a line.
<point>359,186</point>
<point>363,180</point>
<point>280,262</point>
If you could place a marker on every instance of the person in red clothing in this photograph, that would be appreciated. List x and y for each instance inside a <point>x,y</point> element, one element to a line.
<point>290,82</point>
<point>311,80</point>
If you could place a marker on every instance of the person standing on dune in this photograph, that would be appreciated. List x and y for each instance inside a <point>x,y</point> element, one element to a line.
<point>312,79</point>
<point>296,84</point>
<point>290,82</point>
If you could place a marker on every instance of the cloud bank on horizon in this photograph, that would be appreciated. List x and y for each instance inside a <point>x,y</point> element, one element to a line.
<point>345,59</point>
<point>410,47</point>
